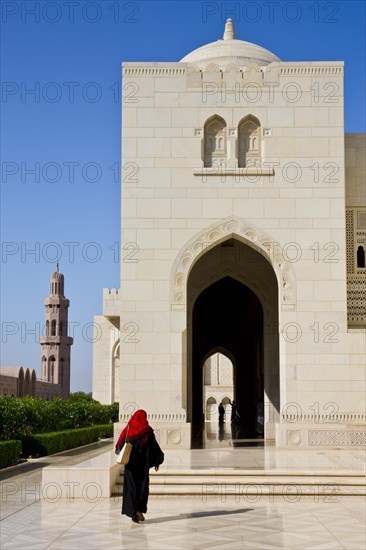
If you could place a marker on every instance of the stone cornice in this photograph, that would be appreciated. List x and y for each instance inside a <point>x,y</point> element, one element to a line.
<point>319,68</point>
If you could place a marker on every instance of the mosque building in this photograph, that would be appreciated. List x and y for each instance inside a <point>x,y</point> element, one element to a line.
<point>243,240</point>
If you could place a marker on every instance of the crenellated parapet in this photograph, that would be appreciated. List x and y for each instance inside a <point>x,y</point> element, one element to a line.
<point>111,302</point>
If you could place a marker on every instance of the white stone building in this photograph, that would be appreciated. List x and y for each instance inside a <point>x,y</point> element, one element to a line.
<point>238,181</point>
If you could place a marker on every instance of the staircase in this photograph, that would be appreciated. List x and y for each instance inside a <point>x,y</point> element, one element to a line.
<point>250,485</point>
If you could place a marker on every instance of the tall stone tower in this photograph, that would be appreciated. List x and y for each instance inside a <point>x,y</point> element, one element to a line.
<point>56,343</point>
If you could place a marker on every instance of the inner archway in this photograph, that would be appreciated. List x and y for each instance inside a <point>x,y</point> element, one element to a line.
<point>218,374</point>
<point>232,304</point>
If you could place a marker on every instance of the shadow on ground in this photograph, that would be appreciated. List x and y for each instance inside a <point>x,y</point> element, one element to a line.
<point>193,515</point>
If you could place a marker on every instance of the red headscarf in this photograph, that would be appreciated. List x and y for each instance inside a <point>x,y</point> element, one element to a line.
<point>137,426</point>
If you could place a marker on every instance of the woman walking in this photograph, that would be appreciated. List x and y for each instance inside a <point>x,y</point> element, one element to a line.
<point>145,454</point>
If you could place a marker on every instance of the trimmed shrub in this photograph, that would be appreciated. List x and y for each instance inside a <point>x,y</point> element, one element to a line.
<point>20,416</point>
<point>9,452</point>
<point>105,431</point>
<point>55,442</point>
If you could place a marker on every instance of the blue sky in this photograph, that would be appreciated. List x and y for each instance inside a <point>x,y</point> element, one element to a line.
<point>69,132</point>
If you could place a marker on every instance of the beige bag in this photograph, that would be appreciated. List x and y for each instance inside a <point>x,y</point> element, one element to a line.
<point>124,455</point>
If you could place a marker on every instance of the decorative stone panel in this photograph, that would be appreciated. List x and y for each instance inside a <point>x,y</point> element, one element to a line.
<point>337,438</point>
<point>217,233</point>
<point>310,435</point>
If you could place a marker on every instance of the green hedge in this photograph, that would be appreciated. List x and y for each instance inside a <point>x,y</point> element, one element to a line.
<point>9,453</point>
<point>21,416</point>
<point>55,442</point>
<point>105,431</point>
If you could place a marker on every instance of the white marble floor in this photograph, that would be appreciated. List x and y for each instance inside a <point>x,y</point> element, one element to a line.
<point>188,522</point>
<point>185,522</point>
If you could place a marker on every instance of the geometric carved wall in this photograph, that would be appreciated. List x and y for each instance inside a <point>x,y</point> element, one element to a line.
<point>337,438</point>
<point>356,271</point>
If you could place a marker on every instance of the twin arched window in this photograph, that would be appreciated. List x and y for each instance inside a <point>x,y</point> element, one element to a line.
<point>248,143</point>
<point>215,140</point>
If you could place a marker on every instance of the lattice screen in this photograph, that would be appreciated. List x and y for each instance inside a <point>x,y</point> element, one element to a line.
<point>356,275</point>
<point>350,241</point>
<point>225,371</point>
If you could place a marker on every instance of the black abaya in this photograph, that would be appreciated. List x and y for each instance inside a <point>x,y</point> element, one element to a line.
<point>145,454</point>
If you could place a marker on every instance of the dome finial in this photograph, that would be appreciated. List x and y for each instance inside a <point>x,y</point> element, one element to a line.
<point>229,33</point>
<point>57,267</point>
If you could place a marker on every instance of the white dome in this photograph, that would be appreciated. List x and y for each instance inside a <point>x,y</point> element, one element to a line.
<point>230,50</point>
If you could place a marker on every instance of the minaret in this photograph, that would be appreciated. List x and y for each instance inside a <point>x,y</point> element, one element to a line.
<point>56,344</point>
<point>229,33</point>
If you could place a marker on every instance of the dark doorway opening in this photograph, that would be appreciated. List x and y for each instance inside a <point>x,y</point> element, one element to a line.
<point>226,291</point>
<point>229,315</point>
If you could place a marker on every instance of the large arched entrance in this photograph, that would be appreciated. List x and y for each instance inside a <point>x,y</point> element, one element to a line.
<point>232,304</point>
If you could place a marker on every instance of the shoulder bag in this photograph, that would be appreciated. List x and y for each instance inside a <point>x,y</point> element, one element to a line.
<point>124,455</point>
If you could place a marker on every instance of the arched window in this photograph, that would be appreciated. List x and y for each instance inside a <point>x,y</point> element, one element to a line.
<point>61,328</point>
<point>51,369</point>
<point>27,383</point>
<point>53,328</point>
<point>47,328</point>
<point>115,371</point>
<point>21,383</point>
<point>214,141</point>
<point>249,153</point>
<point>33,383</point>
<point>360,256</point>
<point>44,368</point>
<point>62,372</point>
<point>211,408</point>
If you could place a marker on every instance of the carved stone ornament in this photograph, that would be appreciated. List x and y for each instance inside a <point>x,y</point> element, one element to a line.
<point>174,437</point>
<point>294,438</point>
<point>246,233</point>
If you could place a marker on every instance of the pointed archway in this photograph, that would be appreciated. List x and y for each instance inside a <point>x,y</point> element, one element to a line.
<point>232,302</point>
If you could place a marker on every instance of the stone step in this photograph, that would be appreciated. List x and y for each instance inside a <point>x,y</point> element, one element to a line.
<point>242,472</point>
<point>268,480</point>
<point>291,492</point>
<point>206,482</point>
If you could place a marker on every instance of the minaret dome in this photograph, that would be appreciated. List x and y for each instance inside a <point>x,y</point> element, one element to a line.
<point>57,283</point>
